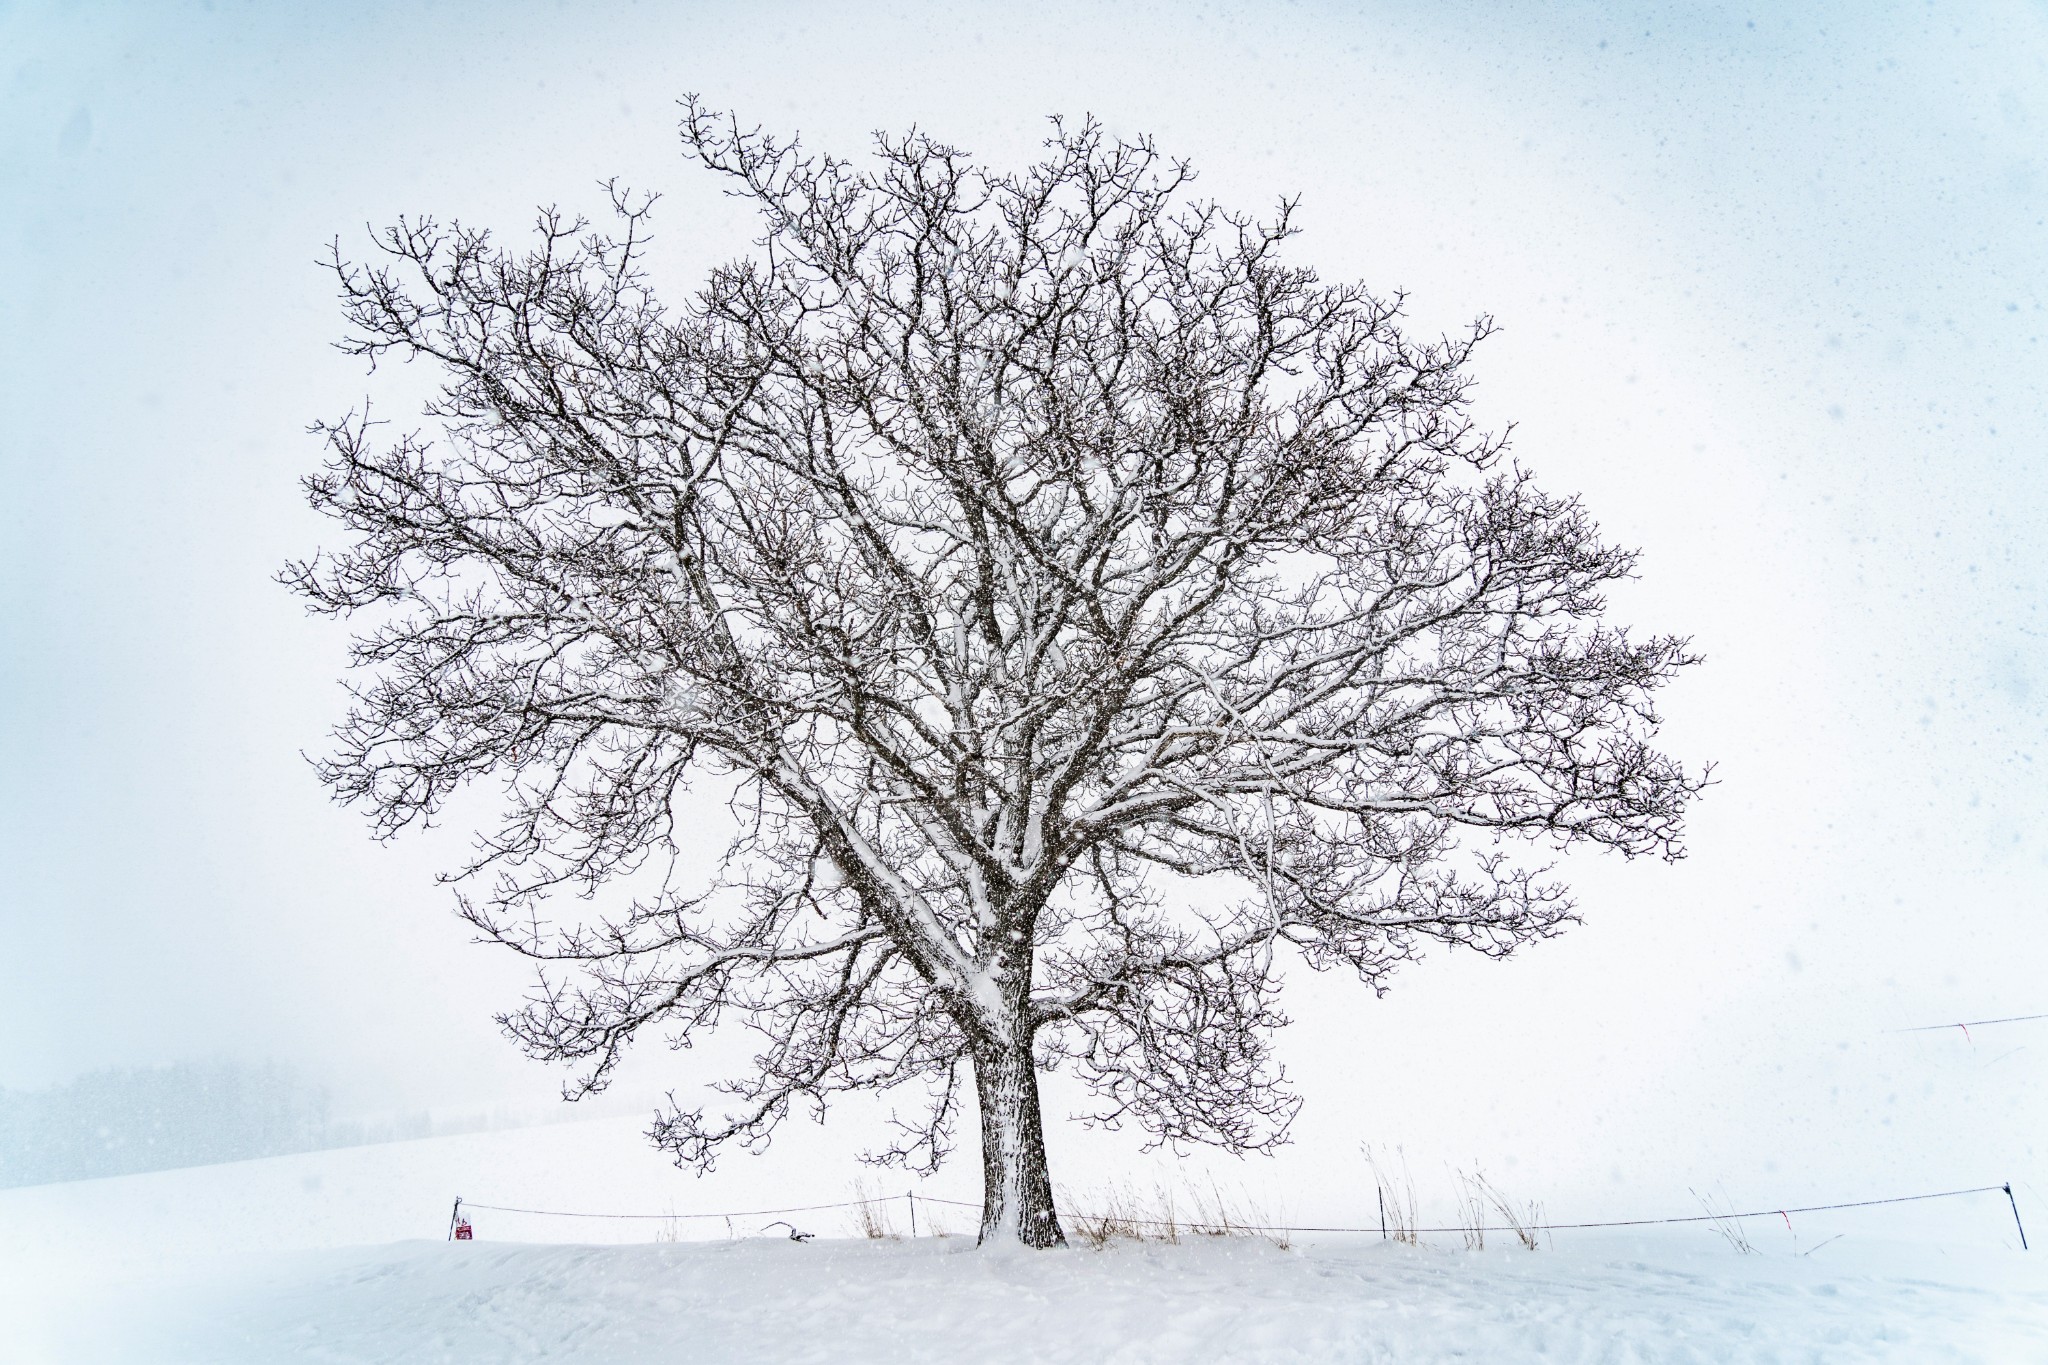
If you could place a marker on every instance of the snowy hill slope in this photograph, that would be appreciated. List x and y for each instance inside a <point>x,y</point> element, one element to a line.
<point>334,1257</point>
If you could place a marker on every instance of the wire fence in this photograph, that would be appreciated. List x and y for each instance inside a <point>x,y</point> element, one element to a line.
<point>670,1217</point>
<point>1560,1227</point>
<point>1255,1228</point>
<point>1967,1024</point>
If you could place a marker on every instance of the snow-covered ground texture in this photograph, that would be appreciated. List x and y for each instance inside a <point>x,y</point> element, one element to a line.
<point>336,1257</point>
<point>938,1299</point>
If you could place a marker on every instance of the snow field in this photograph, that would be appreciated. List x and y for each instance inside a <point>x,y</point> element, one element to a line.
<point>335,1257</point>
<point>938,1299</point>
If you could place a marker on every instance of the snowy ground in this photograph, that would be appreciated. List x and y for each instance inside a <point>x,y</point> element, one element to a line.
<point>936,1299</point>
<point>335,1257</point>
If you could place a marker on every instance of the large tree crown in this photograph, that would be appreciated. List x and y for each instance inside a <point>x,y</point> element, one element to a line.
<point>1031,551</point>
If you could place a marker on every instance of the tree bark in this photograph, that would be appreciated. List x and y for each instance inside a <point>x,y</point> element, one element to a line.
<point>1016,1185</point>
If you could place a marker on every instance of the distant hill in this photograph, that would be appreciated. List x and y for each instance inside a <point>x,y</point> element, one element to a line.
<point>127,1120</point>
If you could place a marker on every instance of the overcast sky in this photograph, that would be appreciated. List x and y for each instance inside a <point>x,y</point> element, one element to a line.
<point>1771,288</point>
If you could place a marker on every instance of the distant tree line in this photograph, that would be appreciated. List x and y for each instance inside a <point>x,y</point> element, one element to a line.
<point>132,1119</point>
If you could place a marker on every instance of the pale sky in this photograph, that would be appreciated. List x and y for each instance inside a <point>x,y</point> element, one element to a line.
<point>1772,292</point>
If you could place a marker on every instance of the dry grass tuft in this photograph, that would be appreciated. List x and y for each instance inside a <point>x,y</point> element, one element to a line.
<point>874,1214</point>
<point>1725,1222</point>
<point>1396,1195</point>
<point>1480,1200</point>
<point>1121,1214</point>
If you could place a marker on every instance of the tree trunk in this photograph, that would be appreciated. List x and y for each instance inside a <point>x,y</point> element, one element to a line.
<point>1016,1198</point>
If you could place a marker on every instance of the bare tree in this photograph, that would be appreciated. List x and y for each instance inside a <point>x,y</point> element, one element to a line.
<point>1089,610</point>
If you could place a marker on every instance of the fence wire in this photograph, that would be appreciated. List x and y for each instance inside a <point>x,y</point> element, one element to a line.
<point>884,1200</point>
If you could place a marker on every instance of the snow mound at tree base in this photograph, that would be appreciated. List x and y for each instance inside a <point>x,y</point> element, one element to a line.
<point>938,1299</point>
